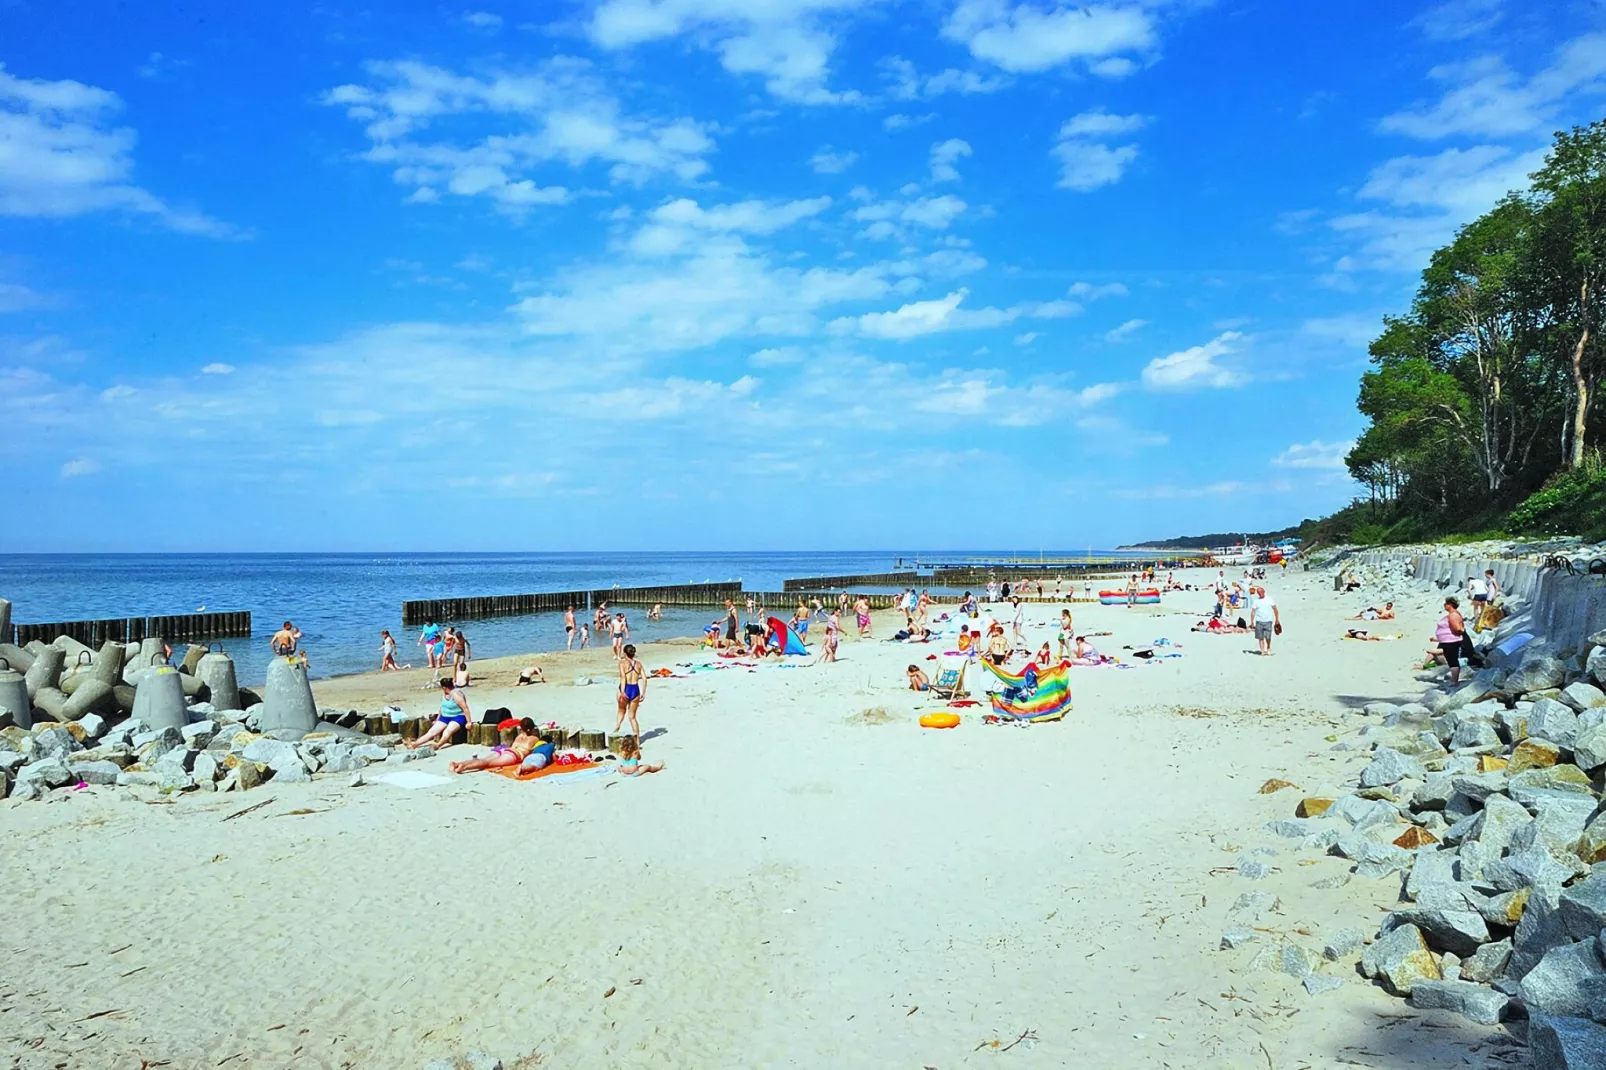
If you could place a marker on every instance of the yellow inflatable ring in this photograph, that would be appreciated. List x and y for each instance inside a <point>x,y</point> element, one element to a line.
<point>939,720</point>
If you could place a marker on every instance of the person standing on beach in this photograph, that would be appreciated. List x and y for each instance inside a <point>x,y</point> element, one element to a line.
<point>620,632</point>
<point>632,689</point>
<point>1451,634</point>
<point>832,637</point>
<point>1017,622</point>
<point>1132,590</point>
<point>460,655</point>
<point>585,636</point>
<point>568,628</point>
<point>387,650</point>
<point>861,610</point>
<point>732,621</point>
<point>1268,620</point>
<point>430,640</point>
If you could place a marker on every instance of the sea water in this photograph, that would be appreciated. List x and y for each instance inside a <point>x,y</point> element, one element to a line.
<point>341,601</point>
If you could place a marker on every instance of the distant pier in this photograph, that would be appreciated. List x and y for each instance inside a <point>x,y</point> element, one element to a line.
<point>182,627</point>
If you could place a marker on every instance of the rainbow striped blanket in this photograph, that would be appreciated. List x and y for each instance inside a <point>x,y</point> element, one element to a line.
<point>1033,694</point>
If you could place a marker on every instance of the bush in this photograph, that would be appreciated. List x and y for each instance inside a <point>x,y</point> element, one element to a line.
<point>1571,502</point>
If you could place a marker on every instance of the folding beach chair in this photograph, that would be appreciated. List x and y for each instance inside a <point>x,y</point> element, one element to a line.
<point>950,682</point>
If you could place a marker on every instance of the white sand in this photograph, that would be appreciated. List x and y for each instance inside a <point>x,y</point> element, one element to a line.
<point>798,888</point>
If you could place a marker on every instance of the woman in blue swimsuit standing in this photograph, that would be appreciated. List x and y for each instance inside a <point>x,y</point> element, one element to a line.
<point>632,689</point>
<point>452,719</point>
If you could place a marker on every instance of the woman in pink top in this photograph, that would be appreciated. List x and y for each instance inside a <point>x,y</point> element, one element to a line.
<point>1451,634</point>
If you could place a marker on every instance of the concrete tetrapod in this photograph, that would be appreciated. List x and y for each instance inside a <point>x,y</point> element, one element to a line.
<point>216,672</point>
<point>45,670</point>
<point>288,711</point>
<point>14,697</point>
<point>108,666</point>
<point>159,700</point>
<point>90,696</point>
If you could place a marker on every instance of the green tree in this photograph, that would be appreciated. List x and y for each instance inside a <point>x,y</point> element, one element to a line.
<point>1570,264</point>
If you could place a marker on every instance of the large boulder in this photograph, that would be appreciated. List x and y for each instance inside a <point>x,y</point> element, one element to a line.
<point>1536,674</point>
<point>1554,721</point>
<point>1472,1001</point>
<point>1389,766</point>
<point>1583,907</point>
<point>1581,696</point>
<point>1535,785</point>
<point>1569,980</point>
<point>1457,931</point>
<point>1560,1042</point>
<point>1399,959</point>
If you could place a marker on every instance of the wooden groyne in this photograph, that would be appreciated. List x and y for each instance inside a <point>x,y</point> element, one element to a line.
<point>847,583</point>
<point>185,627</point>
<point>420,610</point>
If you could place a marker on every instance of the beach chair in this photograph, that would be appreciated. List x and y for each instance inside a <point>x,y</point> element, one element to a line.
<point>950,682</point>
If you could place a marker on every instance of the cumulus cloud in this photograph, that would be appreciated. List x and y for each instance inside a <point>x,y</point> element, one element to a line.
<point>1028,37</point>
<point>1087,160</point>
<point>899,121</point>
<point>907,83</point>
<point>1125,330</point>
<point>828,161</point>
<point>483,20</point>
<point>1196,367</point>
<point>673,226</point>
<point>557,113</point>
<point>61,155</point>
<point>1456,20</point>
<point>1317,454</point>
<point>1485,97</point>
<point>785,42</point>
<point>919,318</point>
<point>944,154</point>
<point>888,219</point>
<point>1094,291</point>
<point>218,368</point>
<point>81,466</point>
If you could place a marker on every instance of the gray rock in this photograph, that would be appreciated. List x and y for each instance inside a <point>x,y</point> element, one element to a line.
<point>1254,906</point>
<point>1533,786</point>
<point>206,768</point>
<point>98,773</point>
<point>1566,1043</point>
<point>1504,909</point>
<point>1237,936</point>
<point>1589,749</point>
<point>1337,880</point>
<point>1318,983</point>
<point>1499,821</point>
<point>1487,963</point>
<point>1583,906</point>
<point>1554,721</point>
<point>1539,931</point>
<point>275,754</point>
<point>1457,931</point>
<point>1595,664</point>
<point>1434,793</point>
<point>1322,840</point>
<point>1342,943</point>
<point>144,738</point>
<point>1389,766</point>
<point>1253,869</point>
<point>357,780</point>
<point>1379,709</point>
<point>11,761</point>
<point>1480,786</point>
<point>292,774</point>
<point>200,733</point>
<point>1362,813</point>
<point>1294,827</point>
<point>138,779</point>
<point>1428,869</point>
<point>45,772</point>
<point>1537,674</point>
<point>1287,957</point>
<point>93,724</point>
<point>1581,696</point>
<point>1474,732</point>
<point>1530,868</point>
<point>478,1060</point>
<point>370,752</point>
<point>1399,959</point>
<point>53,743</point>
<point>1471,1001</point>
<point>1569,980</point>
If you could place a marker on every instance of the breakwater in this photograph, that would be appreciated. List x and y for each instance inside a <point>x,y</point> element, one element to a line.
<point>183,627</point>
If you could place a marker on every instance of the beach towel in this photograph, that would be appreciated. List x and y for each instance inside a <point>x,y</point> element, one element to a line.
<point>512,771</point>
<point>1035,695</point>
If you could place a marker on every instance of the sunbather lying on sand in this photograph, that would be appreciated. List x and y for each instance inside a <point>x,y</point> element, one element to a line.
<point>1367,637</point>
<point>1215,627</point>
<point>1373,613</point>
<point>528,751</point>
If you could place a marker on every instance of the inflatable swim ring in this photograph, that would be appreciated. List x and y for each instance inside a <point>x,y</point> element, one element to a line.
<point>939,720</point>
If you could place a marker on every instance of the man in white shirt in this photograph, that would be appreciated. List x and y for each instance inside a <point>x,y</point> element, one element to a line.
<point>1477,590</point>
<point>1267,620</point>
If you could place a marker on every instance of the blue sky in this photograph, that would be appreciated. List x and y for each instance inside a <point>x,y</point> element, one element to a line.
<point>639,274</point>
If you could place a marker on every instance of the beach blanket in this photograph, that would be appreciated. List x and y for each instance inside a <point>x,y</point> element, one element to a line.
<point>512,771</point>
<point>1035,694</point>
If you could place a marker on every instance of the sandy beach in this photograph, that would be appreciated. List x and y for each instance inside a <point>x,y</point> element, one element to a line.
<point>807,883</point>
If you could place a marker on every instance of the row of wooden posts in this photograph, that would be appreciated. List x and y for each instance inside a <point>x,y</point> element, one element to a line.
<point>181,627</point>
<point>420,611</point>
<point>488,735</point>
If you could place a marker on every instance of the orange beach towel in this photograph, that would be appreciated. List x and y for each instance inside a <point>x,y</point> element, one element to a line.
<point>512,771</point>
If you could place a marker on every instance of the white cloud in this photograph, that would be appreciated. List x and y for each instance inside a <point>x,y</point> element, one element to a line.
<point>936,213</point>
<point>1456,20</point>
<point>1485,97</point>
<point>906,83</point>
<point>943,314</point>
<point>80,466</point>
<point>15,297</point>
<point>1095,291</point>
<point>1125,330</point>
<point>671,227</point>
<point>483,20</point>
<point>1317,454</point>
<point>778,356</point>
<point>559,113</point>
<point>218,368</point>
<point>1027,338</point>
<point>1195,367</point>
<point>944,154</point>
<point>1113,68</point>
<point>931,213</point>
<point>830,162</point>
<point>904,122</point>
<point>782,41</point>
<point>1086,161</point>
<point>1027,37</point>
<point>60,156</point>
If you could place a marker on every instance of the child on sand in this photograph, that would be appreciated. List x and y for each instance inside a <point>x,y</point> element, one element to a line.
<point>828,650</point>
<point>918,681</point>
<point>630,763</point>
<point>529,676</point>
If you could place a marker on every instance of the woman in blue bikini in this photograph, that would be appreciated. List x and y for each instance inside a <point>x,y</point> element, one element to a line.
<point>632,689</point>
<point>452,719</point>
